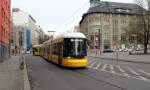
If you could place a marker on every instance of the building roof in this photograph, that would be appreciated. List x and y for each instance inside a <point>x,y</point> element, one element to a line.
<point>113,8</point>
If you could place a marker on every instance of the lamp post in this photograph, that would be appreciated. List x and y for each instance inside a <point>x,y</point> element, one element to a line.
<point>99,40</point>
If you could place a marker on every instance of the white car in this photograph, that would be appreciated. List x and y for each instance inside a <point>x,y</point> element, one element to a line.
<point>28,52</point>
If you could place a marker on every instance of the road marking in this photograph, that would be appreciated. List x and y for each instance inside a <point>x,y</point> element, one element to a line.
<point>92,64</point>
<point>138,75</point>
<point>142,71</point>
<point>104,67</point>
<point>135,73</point>
<point>112,68</point>
<point>99,64</point>
<point>124,73</point>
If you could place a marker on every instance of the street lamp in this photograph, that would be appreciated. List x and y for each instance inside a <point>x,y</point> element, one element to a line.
<point>99,40</point>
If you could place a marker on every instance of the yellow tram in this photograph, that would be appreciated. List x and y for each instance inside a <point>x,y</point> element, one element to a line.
<point>36,50</point>
<point>67,50</point>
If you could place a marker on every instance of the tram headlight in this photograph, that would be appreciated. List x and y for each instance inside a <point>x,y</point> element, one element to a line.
<point>68,57</point>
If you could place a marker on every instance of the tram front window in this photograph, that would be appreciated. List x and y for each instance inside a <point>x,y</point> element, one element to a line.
<point>75,48</point>
<point>35,50</point>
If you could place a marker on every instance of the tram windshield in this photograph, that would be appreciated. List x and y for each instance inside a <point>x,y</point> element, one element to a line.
<point>35,49</point>
<point>74,47</point>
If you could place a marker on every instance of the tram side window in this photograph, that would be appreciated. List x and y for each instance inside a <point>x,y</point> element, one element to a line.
<point>48,49</point>
<point>40,49</point>
<point>57,49</point>
<point>44,49</point>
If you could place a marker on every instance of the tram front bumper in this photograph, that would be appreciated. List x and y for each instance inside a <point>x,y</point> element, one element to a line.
<point>75,62</point>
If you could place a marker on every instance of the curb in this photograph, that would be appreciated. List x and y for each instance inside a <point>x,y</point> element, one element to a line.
<point>119,59</point>
<point>26,79</point>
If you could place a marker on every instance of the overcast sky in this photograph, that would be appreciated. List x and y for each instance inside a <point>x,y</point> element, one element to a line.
<point>57,15</point>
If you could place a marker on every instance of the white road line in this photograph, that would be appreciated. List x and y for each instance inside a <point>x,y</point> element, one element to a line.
<point>141,77</point>
<point>144,72</point>
<point>112,68</point>
<point>133,71</point>
<point>124,74</point>
<point>91,65</point>
<point>99,64</point>
<point>120,69</point>
<point>104,67</point>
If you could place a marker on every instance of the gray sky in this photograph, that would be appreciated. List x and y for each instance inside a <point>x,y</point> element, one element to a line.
<point>57,15</point>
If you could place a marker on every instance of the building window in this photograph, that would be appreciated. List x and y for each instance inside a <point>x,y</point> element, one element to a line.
<point>123,22</point>
<point>115,27</point>
<point>106,44</point>
<point>115,37</point>
<point>106,28</point>
<point>123,38</point>
<point>106,20</point>
<point>115,22</point>
<point>123,10</point>
<point>132,39</point>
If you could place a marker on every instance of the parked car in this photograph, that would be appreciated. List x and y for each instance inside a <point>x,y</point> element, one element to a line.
<point>135,52</point>
<point>107,51</point>
<point>28,52</point>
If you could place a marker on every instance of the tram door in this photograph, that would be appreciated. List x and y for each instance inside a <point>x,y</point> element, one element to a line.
<point>60,54</point>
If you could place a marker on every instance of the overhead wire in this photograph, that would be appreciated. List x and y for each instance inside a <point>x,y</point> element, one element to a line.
<point>65,21</point>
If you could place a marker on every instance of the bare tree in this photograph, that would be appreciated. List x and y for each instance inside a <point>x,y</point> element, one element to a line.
<point>139,25</point>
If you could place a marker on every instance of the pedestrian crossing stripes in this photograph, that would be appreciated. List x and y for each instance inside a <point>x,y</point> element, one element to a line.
<point>142,71</point>
<point>137,74</point>
<point>98,66</point>
<point>104,67</point>
<point>118,70</point>
<point>123,72</point>
<point>92,64</point>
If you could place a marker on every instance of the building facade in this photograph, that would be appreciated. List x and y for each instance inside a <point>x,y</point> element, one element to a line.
<point>25,31</point>
<point>41,35</point>
<point>105,23</point>
<point>76,29</point>
<point>4,29</point>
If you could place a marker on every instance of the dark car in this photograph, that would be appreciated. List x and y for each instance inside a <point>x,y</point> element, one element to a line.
<point>107,51</point>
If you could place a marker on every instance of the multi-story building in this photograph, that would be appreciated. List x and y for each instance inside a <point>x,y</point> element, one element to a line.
<point>4,29</point>
<point>24,28</point>
<point>76,29</point>
<point>105,23</point>
<point>41,35</point>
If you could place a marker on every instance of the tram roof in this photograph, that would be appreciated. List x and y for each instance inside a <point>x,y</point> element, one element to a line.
<point>71,35</point>
<point>67,35</point>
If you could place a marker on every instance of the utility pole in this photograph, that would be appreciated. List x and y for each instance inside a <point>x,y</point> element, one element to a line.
<point>99,41</point>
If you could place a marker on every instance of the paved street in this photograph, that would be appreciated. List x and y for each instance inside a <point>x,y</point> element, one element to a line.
<point>11,77</point>
<point>100,75</point>
<point>126,69</point>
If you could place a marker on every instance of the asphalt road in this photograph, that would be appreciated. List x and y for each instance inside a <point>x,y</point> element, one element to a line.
<point>100,75</point>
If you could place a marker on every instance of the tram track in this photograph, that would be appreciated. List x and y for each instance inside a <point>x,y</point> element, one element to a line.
<point>99,80</point>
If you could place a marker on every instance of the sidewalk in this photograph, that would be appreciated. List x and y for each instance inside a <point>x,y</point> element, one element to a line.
<point>123,56</point>
<point>11,77</point>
